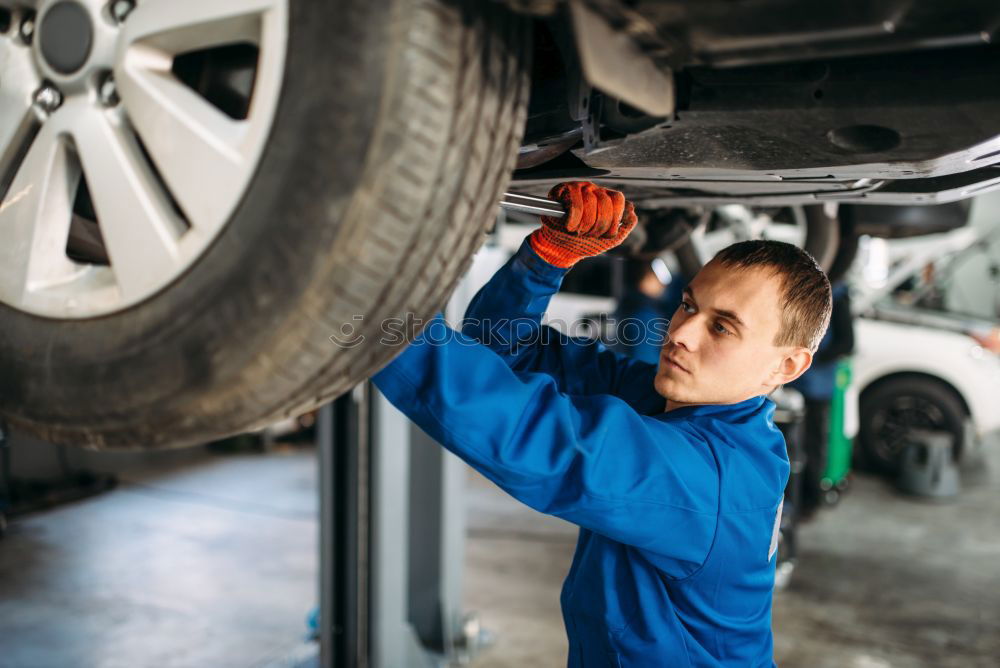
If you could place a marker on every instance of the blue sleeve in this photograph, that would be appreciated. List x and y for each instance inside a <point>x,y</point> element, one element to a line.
<point>506,316</point>
<point>591,460</point>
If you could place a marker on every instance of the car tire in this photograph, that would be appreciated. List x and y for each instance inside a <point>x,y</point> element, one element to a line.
<point>822,236</point>
<point>396,131</point>
<point>847,251</point>
<point>891,407</point>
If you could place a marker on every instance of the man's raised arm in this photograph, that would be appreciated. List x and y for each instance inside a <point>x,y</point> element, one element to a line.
<point>506,314</point>
<point>591,460</point>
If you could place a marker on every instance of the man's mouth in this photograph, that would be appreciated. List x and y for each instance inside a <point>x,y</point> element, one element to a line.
<point>674,365</point>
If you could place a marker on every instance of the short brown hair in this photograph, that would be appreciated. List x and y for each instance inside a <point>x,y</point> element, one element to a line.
<point>807,299</point>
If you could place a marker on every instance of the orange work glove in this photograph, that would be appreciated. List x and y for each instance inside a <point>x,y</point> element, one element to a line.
<point>596,219</point>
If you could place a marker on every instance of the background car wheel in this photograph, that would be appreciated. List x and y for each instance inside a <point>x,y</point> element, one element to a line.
<point>892,408</point>
<point>195,299</point>
<point>809,227</point>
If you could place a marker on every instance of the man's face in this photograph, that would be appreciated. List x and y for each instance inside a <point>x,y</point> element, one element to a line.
<point>722,336</point>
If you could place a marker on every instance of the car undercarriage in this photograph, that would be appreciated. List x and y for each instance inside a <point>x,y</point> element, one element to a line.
<point>768,103</point>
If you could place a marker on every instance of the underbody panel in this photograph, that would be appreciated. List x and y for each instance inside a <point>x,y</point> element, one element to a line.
<point>896,104</point>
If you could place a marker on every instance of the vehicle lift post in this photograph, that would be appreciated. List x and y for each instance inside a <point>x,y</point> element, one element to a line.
<point>391,539</point>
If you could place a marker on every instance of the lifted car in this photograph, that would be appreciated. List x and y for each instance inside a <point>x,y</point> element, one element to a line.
<point>201,201</point>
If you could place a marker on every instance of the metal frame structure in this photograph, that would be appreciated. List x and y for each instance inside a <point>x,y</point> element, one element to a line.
<point>391,539</point>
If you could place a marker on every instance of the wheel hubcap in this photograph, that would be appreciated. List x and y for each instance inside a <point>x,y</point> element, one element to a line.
<point>893,424</point>
<point>127,139</point>
<point>66,37</point>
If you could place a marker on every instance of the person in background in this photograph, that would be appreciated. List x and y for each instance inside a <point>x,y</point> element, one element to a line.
<point>817,386</point>
<point>641,319</point>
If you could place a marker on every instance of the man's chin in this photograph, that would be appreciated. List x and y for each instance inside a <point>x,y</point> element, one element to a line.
<point>667,388</point>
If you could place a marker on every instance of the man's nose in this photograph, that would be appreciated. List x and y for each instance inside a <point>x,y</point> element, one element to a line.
<point>683,332</point>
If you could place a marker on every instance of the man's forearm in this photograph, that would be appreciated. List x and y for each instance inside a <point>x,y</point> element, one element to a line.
<point>506,314</point>
<point>577,457</point>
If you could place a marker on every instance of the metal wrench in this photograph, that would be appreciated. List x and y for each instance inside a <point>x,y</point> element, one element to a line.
<point>537,206</point>
<point>543,206</point>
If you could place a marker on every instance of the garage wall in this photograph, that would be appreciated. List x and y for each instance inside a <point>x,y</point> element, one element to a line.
<point>974,291</point>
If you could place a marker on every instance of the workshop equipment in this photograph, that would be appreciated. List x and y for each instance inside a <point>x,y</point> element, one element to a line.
<point>839,447</point>
<point>928,465</point>
<point>789,417</point>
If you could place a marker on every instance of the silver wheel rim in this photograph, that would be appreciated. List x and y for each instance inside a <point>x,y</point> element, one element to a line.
<point>164,165</point>
<point>742,224</point>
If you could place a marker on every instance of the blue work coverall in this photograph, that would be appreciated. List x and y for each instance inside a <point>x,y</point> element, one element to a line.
<point>678,511</point>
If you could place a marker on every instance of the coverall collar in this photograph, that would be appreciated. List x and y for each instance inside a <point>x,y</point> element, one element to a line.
<point>744,407</point>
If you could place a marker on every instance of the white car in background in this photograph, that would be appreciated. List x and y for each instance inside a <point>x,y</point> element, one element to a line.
<point>909,376</point>
<point>925,356</point>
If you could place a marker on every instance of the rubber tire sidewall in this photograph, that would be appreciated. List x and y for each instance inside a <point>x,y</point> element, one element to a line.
<point>229,341</point>
<point>876,398</point>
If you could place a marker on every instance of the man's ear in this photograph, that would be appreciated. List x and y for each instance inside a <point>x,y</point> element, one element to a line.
<point>792,365</point>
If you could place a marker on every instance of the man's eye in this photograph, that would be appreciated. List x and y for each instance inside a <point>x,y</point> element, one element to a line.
<point>686,305</point>
<point>721,329</point>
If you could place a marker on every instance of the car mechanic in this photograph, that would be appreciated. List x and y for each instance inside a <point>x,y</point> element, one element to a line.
<point>673,471</point>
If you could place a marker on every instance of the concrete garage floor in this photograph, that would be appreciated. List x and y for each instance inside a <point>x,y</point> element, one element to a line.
<point>883,581</point>
<point>213,563</point>
<point>207,563</point>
